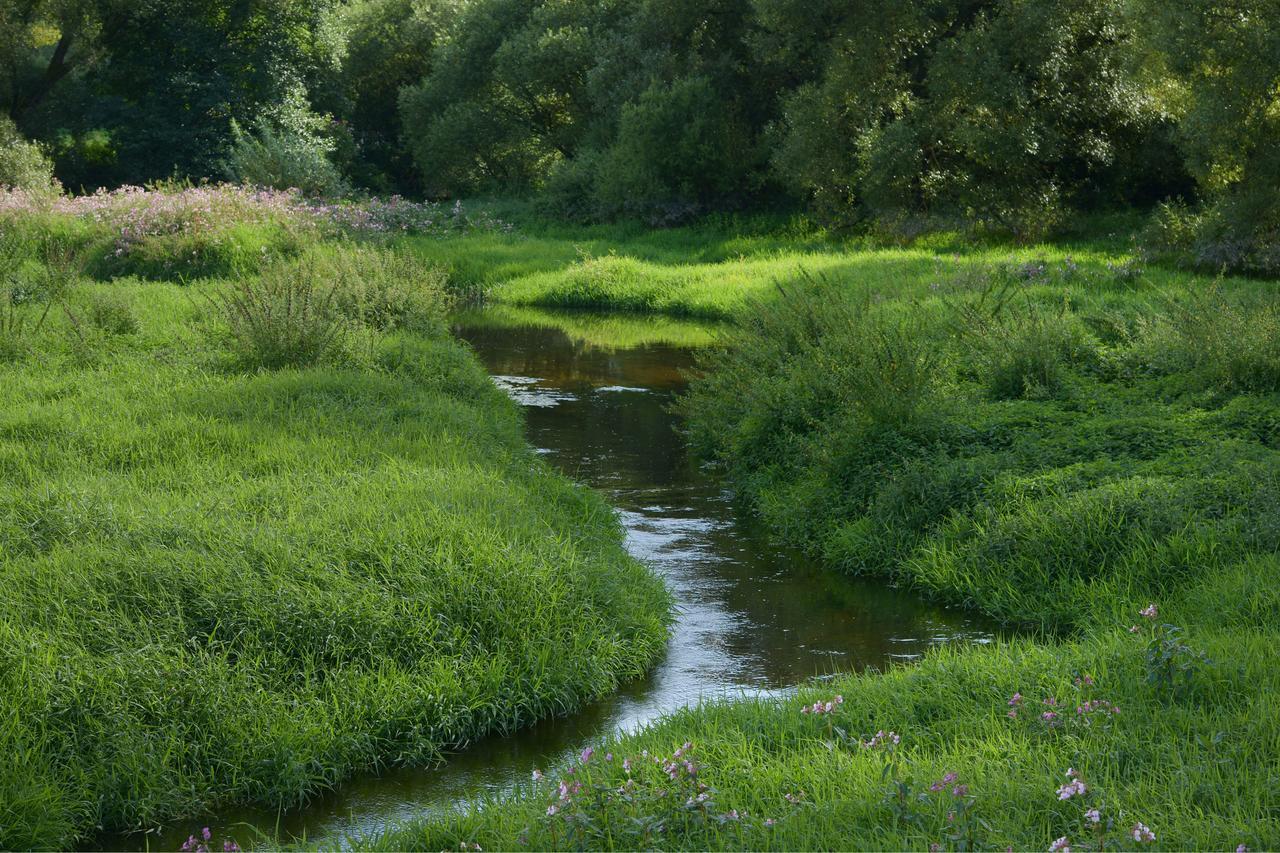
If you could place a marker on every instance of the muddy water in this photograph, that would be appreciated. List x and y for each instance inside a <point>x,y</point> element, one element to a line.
<point>753,618</point>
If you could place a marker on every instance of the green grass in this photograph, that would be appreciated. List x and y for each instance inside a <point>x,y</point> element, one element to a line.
<point>233,585</point>
<point>597,330</point>
<point>1198,770</point>
<point>1109,437</point>
<point>224,585</point>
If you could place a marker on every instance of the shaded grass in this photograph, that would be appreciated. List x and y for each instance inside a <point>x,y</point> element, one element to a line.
<point>226,587</point>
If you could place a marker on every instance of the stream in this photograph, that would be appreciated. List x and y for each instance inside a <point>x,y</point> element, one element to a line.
<point>753,619</point>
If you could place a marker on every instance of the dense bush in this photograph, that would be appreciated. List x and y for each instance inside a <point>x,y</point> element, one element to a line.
<point>286,149</point>
<point>23,165</point>
<point>1225,58</point>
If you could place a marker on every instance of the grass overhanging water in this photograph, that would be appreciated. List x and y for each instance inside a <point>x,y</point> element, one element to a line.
<point>260,534</point>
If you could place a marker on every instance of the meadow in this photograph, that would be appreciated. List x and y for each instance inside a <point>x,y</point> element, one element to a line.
<point>263,531</point>
<point>1067,436</point>
<point>253,551</point>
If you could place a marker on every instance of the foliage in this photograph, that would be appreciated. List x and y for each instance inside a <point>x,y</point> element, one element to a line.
<point>1223,62</point>
<point>23,165</point>
<point>389,46</point>
<point>285,317</point>
<point>287,150</point>
<point>241,587</point>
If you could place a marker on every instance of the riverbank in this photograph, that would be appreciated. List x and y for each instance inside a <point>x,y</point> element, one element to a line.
<point>1068,441</point>
<point>243,561</point>
<point>1059,436</point>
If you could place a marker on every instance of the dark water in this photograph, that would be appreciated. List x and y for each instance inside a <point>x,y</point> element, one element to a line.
<point>753,618</point>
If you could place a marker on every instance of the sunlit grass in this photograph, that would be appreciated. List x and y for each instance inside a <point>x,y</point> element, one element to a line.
<point>226,586</point>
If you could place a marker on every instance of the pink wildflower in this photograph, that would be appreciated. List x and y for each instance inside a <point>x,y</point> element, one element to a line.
<point>1141,833</point>
<point>1093,816</point>
<point>1074,788</point>
<point>1062,845</point>
<point>1149,612</point>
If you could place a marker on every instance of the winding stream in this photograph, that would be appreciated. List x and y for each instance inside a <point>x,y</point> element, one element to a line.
<point>753,619</point>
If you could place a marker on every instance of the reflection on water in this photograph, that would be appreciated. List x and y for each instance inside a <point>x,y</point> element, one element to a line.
<point>753,619</point>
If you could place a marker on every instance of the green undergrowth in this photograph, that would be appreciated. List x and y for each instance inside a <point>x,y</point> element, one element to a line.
<point>1047,442</point>
<point>1195,765</point>
<point>598,330</point>
<point>1056,436</point>
<point>230,584</point>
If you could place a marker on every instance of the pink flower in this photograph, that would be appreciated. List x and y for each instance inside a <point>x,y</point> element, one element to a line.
<point>537,775</point>
<point>1141,833</point>
<point>1015,700</point>
<point>1093,816</point>
<point>586,754</point>
<point>1150,611</point>
<point>1074,788</point>
<point>1062,845</point>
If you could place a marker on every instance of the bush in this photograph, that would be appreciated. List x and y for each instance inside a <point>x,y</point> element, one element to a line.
<point>386,290</point>
<point>111,312</point>
<point>1016,347</point>
<point>285,317</point>
<point>316,307</point>
<point>23,164</point>
<point>1233,347</point>
<point>797,360</point>
<point>287,149</point>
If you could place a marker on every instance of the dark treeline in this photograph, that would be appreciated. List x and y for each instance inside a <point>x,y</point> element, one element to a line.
<point>1015,113</point>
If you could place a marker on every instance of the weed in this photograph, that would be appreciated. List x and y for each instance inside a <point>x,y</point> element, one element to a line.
<point>285,317</point>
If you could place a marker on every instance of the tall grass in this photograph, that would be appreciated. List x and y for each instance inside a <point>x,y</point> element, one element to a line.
<point>229,586</point>
<point>1070,443</point>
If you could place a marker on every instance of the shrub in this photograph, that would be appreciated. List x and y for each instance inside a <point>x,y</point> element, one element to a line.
<point>287,316</point>
<point>1233,346</point>
<point>386,290</point>
<point>796,360</point>
<point>305,310</point>
<point>1016,347</point>
<point>23,165</point>
<point>111,312</point>
<point>287,149</point>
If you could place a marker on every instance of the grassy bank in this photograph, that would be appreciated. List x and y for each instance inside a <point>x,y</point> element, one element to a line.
<point>244,560</point>
<point>1058,436</point>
